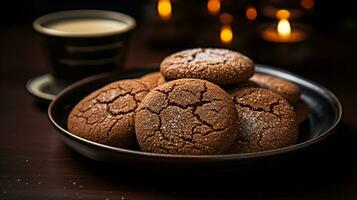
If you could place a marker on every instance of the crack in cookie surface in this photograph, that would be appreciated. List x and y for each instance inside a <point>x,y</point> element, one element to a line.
<point>267,121</point>
<point>187,116</point>
<point>107,115</point>
<point>219,66</point>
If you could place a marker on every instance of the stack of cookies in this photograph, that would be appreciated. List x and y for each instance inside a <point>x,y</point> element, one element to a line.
<point>202,102</point>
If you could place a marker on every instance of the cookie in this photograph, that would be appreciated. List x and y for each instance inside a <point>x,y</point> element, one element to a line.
<point>106,116</point>
<point>267,120</point>
<point>285,88</point>
<point>153,79</point>
<point>220,66</point>
<point>302,111</point>
<point>186,116</point>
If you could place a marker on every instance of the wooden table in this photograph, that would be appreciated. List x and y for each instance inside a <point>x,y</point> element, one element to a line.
<point>36,164</point>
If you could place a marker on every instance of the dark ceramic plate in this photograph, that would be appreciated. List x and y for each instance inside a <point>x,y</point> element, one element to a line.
<point>326,112</point>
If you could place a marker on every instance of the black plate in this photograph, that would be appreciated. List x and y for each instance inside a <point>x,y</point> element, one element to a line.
<point>326,112</point>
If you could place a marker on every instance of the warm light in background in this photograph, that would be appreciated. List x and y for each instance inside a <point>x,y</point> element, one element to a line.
<point>164,9</point>
<point>284,29</point>
<point>283,33</point>
<point>251,13</point>
<point>307,4</point>
<point>226,18</point>
<point>214,6</point>
<point>226,34</point>
<point>282,14</point>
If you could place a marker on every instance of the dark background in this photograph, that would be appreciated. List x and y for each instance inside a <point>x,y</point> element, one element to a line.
<point>35,164</point>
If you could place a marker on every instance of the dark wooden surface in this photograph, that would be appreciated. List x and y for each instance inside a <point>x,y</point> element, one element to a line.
<point>36,164</point>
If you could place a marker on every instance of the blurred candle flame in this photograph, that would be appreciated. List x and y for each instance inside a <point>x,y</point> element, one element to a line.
<point>284,29</point>
<point>307,4</point>
<point>226,34</point>
<point>282,14</point>
<point>226,18</point>
<point>164,9</point>
<point>214,6</point>
<point>251,13</point>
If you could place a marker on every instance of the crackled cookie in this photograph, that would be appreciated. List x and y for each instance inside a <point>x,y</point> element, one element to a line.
<point>220,66</point>
<point>302,111</point>
<point>107,115</point>
<point>267,120</point>
<point>285,88</point>
<point>153,79</point>
<point>186,116</point>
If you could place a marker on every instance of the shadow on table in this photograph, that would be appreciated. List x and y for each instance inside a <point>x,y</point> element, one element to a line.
<point>329,167</point>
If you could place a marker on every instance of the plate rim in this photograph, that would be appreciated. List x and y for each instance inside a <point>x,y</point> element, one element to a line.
<point>259,68</point>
